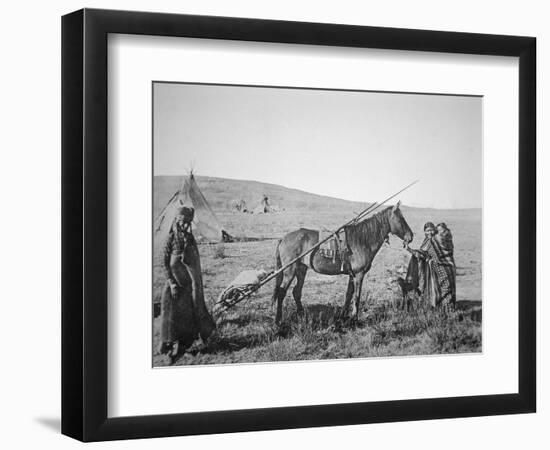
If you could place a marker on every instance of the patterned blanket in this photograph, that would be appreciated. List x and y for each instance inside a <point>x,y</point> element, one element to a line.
<point>432,269</point>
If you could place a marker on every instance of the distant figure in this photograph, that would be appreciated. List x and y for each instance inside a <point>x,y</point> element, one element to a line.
<point>434,266</point>
<point>184,316</point>
<point>264,204</point>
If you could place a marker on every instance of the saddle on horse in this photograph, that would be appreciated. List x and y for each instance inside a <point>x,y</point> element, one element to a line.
<point>331,256</point>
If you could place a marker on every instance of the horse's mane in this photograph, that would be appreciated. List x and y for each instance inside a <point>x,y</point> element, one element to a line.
<point>375,227</point>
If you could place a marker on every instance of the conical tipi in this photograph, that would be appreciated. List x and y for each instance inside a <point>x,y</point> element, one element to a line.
<point>264,207</point>
<point>206,226</point>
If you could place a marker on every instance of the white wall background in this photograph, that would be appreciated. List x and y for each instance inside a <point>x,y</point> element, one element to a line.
<point>30,229</point>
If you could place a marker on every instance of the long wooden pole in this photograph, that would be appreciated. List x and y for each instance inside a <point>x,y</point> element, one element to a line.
<point>358,217</point>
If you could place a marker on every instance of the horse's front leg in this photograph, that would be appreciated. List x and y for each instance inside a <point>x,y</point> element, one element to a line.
<point>301,271</point>
<point>349,296</point>
<point>358,285</point>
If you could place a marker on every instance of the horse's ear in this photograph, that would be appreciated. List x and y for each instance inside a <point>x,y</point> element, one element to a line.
<point>397,205</point>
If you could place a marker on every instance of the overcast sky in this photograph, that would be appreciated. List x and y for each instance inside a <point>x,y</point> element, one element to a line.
<point>360,146</point>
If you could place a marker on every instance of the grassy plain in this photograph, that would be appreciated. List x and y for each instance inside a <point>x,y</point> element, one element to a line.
<point>247,333</point>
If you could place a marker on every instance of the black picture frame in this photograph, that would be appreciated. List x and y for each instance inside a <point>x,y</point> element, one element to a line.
<point>84,224</point>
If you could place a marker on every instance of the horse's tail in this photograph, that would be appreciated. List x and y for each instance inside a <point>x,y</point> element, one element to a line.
<point>279,277</point>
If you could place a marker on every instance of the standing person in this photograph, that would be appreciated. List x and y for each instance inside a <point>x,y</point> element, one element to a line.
<point>444,238</point>
<point>435,266</point>
<point>184,316</point>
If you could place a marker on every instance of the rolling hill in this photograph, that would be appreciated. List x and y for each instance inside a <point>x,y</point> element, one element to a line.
<point>223,193</point>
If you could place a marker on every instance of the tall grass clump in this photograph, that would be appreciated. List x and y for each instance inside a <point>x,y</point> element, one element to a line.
<point>424,329</point>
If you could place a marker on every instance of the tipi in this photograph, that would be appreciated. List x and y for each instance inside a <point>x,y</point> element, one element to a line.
<point>264,207</point>
<point>206,226</point>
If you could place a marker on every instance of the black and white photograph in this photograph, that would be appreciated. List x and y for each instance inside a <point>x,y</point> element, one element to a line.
<point>275,225</point>
<point>314,224</point>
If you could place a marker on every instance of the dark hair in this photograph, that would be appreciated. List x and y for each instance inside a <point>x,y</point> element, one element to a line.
<point>429,225</point>
<point>443,225</point>
<point>186,211</point>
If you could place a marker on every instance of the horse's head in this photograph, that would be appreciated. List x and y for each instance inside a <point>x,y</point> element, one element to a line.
<point>399,226</point>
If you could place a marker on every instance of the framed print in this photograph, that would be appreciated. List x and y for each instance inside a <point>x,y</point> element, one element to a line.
<point>273,224</point>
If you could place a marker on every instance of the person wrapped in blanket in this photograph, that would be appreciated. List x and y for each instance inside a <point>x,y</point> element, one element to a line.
<point>432,267</point>
<point>184,316</point>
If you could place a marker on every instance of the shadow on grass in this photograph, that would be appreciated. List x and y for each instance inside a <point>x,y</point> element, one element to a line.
<point>251,328</point>
<point>245,328</point>
<point>322,314</point>
<point>244,318</point>
<point>234,342</point>
<point>317,316</point>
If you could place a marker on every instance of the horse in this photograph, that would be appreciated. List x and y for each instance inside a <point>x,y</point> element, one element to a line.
<point>363,240</point>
